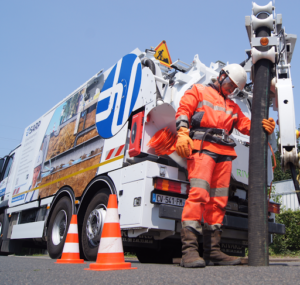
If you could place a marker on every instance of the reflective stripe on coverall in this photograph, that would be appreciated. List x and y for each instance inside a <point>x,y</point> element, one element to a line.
<point>209,175</point>
<point>203,106</point>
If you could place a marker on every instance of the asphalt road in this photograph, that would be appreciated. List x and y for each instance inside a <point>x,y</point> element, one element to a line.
<point>43,270</point>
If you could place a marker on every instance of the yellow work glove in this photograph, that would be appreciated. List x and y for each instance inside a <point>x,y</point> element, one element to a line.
<point>269,125</point>
<point>183,142</point>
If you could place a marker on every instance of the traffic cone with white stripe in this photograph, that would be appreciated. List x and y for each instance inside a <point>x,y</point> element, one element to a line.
<point>71,247</point>
<point>110,253</point>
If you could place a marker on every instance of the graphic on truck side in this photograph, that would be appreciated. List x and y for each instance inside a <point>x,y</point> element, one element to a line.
<point>73,140</point>
<point>118,96</point>
<point>70,145</point>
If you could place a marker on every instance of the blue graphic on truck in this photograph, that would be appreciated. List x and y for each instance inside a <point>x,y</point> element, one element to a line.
<point>2,192</point>
<point>118,96</point>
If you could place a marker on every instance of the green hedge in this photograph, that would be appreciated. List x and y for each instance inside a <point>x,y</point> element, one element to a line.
<point>290,242</point>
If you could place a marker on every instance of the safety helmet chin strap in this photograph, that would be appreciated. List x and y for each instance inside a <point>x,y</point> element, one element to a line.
<point>221,81</point>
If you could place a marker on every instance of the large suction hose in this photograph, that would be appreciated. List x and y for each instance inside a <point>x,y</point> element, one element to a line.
<point>258,166</point>
<point>164,143</point>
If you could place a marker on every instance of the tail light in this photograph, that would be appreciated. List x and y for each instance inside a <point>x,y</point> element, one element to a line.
<point>274,208</point>
<point>171,185</point>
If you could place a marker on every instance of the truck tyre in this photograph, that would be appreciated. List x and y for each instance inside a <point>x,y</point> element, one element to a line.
<point>58,227</point>
<point>1,228</point>
<point>93,225</point>
<point>1,233</point>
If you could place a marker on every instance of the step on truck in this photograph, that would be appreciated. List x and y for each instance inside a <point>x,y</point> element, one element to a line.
<point>97,142</point>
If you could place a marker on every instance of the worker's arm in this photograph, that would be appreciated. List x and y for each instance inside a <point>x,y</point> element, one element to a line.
<point>187,106</point>
<point>243,123</point>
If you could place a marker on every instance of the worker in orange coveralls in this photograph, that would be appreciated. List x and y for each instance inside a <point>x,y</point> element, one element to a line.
<point>205,118</point>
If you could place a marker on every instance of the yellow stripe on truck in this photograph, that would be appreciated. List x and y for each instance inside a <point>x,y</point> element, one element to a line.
<point>71,175</point>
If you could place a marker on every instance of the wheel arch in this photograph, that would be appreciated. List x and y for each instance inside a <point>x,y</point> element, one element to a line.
<point>96,185</point>
<point>64,191</point>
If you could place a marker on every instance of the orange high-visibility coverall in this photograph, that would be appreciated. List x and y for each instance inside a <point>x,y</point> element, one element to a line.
<point>202,107</point>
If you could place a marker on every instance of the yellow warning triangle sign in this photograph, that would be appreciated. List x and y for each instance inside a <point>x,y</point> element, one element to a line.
<point>162,54</point>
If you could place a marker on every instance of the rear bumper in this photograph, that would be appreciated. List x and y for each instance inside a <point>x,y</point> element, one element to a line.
<point>174,213</point>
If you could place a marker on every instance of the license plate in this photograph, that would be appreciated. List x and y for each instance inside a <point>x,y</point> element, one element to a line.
<point>164,199</point>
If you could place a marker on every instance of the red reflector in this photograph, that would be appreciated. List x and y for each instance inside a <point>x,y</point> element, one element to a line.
<point>136,134</point>
<point>171,186</point>
<point>274,208</point>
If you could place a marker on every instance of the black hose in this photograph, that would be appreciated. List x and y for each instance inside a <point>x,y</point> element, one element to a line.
<point>149,63</point>
<point>258,189</point>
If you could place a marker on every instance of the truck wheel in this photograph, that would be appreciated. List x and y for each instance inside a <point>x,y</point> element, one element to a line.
<point>93,225</point>
<point>58,227</point>
<point>1,228</point>
<point>1,234</point>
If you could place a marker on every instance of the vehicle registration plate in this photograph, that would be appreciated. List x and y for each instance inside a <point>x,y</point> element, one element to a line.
<point>164,199</point>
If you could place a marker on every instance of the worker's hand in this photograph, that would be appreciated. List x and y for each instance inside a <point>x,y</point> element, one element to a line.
<point>184,142</point>
<point>269,125</point>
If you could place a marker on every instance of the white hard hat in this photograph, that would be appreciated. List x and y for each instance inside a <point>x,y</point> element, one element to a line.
<point>237,74</point>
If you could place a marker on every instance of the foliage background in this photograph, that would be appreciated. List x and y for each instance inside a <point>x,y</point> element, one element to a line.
<point>288,244</point>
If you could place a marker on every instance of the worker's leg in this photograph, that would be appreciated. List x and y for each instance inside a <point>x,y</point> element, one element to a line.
<point>214,214</point>
<point>215,208</point>
<point>200,167</point>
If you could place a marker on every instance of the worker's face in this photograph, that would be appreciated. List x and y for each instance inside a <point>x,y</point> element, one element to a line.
<point>227,86</point>
<point>35,175</point>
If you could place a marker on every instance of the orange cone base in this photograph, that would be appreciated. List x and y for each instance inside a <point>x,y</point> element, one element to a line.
<point>69,261</point>
<point>110,266</point>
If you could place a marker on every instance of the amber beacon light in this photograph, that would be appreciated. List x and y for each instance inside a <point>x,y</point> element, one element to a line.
<point>264,41</point>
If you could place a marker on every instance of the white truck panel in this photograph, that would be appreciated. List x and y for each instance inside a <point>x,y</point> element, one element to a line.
<point>286,112</point>
<point>20,208</point>
<point>130,215</point>
<point>240,166</point>
<point>29,152</point>
<point>133,173</point>
<point>113,144</point>
<point>46,201</point>
<point>29,230</point>
<point>137,181</point>
<point>147,92</point>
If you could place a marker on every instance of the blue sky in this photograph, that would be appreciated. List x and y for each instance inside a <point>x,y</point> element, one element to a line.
<point>49,48</point>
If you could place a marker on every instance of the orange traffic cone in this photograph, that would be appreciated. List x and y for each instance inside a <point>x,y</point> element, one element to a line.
<point>110,253</point>
<point>71,248</point>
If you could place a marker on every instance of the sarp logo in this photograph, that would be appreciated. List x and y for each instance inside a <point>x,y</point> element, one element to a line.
<point>33,128</point>
<point>118,96</point>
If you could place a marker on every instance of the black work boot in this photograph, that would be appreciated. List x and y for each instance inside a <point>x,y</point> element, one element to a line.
<point>190,254</point>
<point>212,253</point>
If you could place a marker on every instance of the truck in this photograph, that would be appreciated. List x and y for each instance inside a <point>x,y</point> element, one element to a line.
<point>99,141</point>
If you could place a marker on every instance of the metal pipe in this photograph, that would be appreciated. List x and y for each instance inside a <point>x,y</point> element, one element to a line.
<point>160,79</point>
